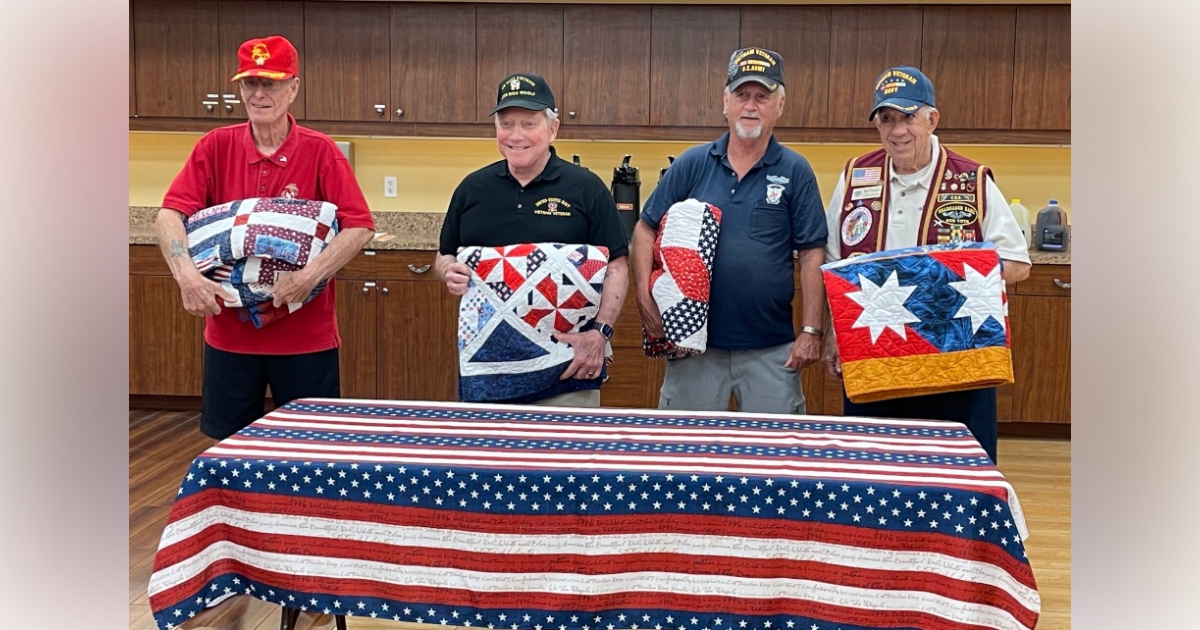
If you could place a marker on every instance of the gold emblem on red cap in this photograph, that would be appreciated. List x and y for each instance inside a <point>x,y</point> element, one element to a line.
<point>260,54</point>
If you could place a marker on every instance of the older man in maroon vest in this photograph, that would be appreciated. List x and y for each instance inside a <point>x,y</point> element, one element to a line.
<point>914,191</point>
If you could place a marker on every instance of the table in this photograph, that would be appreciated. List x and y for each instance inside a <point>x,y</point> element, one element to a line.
<point>546,518</point>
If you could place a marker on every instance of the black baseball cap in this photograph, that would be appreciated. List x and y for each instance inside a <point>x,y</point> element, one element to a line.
<point>525,90</point>
<point>755,64</point>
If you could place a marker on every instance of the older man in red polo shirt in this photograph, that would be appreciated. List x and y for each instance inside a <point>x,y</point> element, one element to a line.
<point>267,156</point>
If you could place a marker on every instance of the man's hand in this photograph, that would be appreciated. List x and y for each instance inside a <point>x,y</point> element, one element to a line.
<point>806,350</point>
<point>651,317</point>
<point>833,362</point>
<point>293,287</point>
<point>589,353</point>
<point>458,276</point>
<point>200,295</point>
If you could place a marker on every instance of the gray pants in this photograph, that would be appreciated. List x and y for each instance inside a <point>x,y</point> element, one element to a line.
<point>756,377</point>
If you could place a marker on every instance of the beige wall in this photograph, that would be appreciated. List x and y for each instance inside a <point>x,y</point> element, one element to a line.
<point>428,169</point>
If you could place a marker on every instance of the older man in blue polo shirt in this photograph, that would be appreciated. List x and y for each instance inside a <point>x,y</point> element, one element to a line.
<point>753,350</point>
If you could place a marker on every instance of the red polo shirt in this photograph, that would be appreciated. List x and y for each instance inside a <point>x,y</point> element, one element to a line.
<point>225,166</point>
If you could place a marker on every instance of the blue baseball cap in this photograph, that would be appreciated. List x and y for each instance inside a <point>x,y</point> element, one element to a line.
<point>904,89</point>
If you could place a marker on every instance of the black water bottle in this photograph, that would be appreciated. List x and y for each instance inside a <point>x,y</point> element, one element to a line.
<point>627,191</point>
<point>670,161</point>
<point>575,160</point>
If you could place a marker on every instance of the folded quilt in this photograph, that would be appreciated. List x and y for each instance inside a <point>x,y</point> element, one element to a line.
<point>246,244</point>
<point>921,320</point>
<point>517,297</point>
<point>680,278</point>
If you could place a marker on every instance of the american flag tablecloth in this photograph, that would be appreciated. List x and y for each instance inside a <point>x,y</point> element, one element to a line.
<point>542,518</point>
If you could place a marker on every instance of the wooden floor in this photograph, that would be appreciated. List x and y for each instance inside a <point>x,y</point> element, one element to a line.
<point>163,444</point>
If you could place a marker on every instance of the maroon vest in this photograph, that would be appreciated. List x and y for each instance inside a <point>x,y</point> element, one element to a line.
<point>953,211</point>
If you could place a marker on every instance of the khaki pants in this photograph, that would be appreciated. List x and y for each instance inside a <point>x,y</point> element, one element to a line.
<point>757,378</point>
<point>582,398</point>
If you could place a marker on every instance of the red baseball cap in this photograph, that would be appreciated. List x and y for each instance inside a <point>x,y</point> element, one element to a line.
<point>271,57</point>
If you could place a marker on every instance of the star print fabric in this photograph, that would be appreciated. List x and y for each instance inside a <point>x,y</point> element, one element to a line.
<point>680,278</point>
<point>920,320</point>
<point>245,245</point>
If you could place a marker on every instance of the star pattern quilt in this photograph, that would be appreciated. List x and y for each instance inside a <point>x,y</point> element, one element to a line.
<point>920,320</point>
<point>680,278</point>
<point>517,298</point>
<point>246,244</point>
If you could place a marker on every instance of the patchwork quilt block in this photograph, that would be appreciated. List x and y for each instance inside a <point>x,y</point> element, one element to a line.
<point>920,320</point>
<point>246,244</point>
<point>680,278</point>
<point>518,296</point>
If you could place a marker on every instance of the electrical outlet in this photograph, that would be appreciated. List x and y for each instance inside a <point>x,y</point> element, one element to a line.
<point>389,186</point>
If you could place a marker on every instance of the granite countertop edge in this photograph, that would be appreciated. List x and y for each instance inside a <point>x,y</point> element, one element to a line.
<point>419,231</point>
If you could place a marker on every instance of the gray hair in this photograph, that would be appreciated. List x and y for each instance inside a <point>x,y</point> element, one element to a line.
<point>550,114</point>
<point>782,91</point>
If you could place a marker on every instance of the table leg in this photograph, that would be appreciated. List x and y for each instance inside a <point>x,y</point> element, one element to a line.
<point>341,622</point>
<point>287,619</point>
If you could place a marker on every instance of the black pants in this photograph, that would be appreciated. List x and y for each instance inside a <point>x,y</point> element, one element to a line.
<point>975,408</point>
<point>235,385</point>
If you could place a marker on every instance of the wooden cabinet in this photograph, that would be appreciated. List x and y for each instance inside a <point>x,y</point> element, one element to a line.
<point>433,63</point>
<point>689,59</point>
<point>166,343</point>
<point>801,36</point>
<point>1039,311</point>
<point>863,42</point>
<point>186,52</point>
<point>513,38</point>
<point>1042,74</point>
<point>347,60</point>
<point>398,329</point>
<point>638,72</point>
<point>606,61</point>
<point>967,52</point>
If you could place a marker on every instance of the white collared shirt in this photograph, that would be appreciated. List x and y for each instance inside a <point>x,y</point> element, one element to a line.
<point>906,200</point>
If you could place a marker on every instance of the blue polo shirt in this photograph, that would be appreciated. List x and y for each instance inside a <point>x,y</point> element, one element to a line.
<point>773,211</point>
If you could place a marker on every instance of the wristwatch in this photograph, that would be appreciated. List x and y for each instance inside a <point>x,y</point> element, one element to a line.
<point>812,331</point>
<point>604,329</point>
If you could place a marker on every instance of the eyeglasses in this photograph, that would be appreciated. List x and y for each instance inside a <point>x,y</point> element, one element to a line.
<point>251,84</point>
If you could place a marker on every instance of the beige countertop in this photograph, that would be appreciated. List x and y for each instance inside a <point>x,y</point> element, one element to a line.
<point>419,231</point>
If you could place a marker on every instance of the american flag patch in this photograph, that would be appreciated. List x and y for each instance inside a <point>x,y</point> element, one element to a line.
<point>865,176</point>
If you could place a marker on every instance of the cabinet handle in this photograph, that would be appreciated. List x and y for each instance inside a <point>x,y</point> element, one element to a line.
<point>379,109</point>
<point>384,290</point>
<point>208,105</point>
<point>416,270</point>
<point>366,289</point>
<point>571,114</point>
<point>228,108</point>
<point>1061,284</point>
<point>399,112</point>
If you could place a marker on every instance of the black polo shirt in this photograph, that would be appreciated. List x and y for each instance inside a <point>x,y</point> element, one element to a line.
<point>564,204</point>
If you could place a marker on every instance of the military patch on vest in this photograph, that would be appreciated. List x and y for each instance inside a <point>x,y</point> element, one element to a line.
<point>855,226</point>
<point>956,214</point>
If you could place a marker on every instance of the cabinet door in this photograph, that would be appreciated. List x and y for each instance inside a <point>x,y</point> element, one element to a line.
<point>1041,348</point>
<point>177,70</point>
<point>801,36</point>
<point>513,38</point>
<point>689,63</point>
<point>1042,76</point>
<point>607,65</point>
<point>132,64</point>
<point>863,42</point>
<point>433,63</point>
<point>967,52</point>
<point>167,342</point>
<point>241,20</point>
<point>357,325</point>
<point>347,54</point>
<point>418,343</point>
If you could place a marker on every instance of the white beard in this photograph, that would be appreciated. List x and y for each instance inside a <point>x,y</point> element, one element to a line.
<point>749,134</point>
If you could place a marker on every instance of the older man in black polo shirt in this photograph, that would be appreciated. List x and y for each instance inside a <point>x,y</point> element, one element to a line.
<point>497,205</point>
